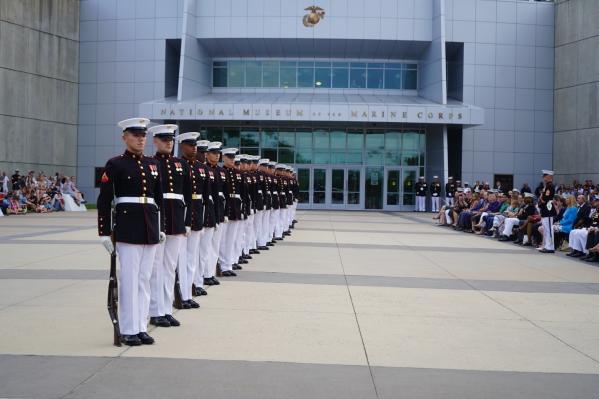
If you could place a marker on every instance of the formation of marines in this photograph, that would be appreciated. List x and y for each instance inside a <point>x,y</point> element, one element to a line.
<point>176,223</point>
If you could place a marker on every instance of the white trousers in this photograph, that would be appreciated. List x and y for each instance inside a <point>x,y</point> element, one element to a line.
<point>228,250</point>
<point>216,244</point>
<point>283,220</point>
<point>508,225</point>
<point>577,239</point>
<point>205,256</point>
<point>548,242</point>
<point>162,282</point>
<point>258,217</point>
<point>448,216</point>
<point>435,204</point>
<point>264,235</point>
<point>188,263</point>
<point>420,203</point>
<point>274,223</point>
<point>449,201</point>
<point>249,238</point>
<point>136,263</point>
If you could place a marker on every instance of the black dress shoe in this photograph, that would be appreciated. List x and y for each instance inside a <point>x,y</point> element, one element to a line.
<point>270,243</point>
<point>593,257</point>
<point>193,304</point>
<point>237,267</point>
<point>174,322</point>
<point>145,338</point>
<point>229,273</point>
<point>215,281</point>
<point>572,253</point>
<point>504,238</point>
<point>185,305</point>
<point>244,256</point>
<point>578,254</point>
<point>159,321</point>
<point>254,251</point>
<point>202,292</point>
<point>528,244</point>
<point>242,261</point>
<point>287,233</point>
<point>208,281</point>
<point>264,248</point>
<point>130,340</point>
<point>294,221</point>
<point>547,251</point>
<point>278,238</point>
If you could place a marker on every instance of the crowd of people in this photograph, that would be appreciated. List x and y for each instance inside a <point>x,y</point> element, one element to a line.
<point>36,193</point>
<point>516,215</point>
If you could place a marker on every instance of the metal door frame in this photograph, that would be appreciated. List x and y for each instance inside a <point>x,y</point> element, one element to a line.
<point>399,206</point>
<point>404,170</point>
<point>345,204</point>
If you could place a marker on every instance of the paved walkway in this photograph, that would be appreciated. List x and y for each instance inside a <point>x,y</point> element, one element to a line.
<point>353,305</point>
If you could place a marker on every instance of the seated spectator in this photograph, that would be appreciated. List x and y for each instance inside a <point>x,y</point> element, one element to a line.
<point>14,206</point>
<point>524,216</point>
<point>578,236</point>
<point>563,227</point>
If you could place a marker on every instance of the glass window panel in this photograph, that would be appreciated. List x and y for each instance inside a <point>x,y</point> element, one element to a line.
<point>393,79</point>
<point>322,77</point>
<point>353,180</point>
<point>340,78</point>
<point>303,177</point>
<point>286,139</point>
<point>392,65</point>
<point>353,157</point>
<point>410,159</point>
<point>270,138</point>
<point>219,77</point>
<point>392,140</point>
<point>338,139</point>
<point>231,137</point>
<point>305,77</point>
<point>410,81</point>
<point>411,141</point>
<point>409,181</point>
<point>375,65</point>
<point>303,155</point>
<point>250,138</point>
<point>392,158</point>
<point>270,153</point>
<point>422,142</point>
<point>286,155</point>
<point>319,197</point>
<point>235,74</point>
<point>411,66</point>
<point>392,199</point>
<point>306,64</point>
<point>304,139</point>
<point>353,198</point>
<point>408,199</point>
<point>375,78</point>
<point>393,181</point>
<point>219,63</point>
<point>358,65</point>
<point>319,182</point>
<point>355,139</point>
<point>288,77</point>
<point>214,134</point>
<point>374,157</point>
<point>322,157</point>
<point>357,78</point>
<point>337,157</point>
<point>288,64</point>
<point>322,64</point>
<point>340,64</point>
<point>253,74</point>
<point>270,74</point>
<point>337,185</point>
<point>321,139</point>
<point>375,140</point>
<point>250,150</point>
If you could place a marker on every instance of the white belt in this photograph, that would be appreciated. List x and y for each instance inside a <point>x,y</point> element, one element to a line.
<point>235,196</point>
<point>275,193</point>
<point>196,196</point>
<point>135,200</point>
<point>173,196</point>
<point>210,197</point>
<point>221,194</point>
<point>260,191</point>
<point>290,191</point>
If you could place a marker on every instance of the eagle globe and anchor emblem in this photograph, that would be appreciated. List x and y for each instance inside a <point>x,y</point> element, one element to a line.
<point>313,17</point>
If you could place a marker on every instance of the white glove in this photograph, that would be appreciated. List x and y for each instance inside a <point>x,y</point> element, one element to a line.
<point>162,237</point>
<point>226,219</point>
<point>106,241</point>
<point>187,231</point>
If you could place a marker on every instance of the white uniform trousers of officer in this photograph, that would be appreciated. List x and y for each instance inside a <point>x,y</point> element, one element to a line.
<point>274,218</point>
<point>420,203</point>
<point>434,204</point>
<point>240,240</point>
<point>162,281</point>
<point>449,201</point>
<point>258,226</point>
<point>249,234</point>
<point>547,223</point>
<point>228,247</point>
<point>188,263</point>
<point>279,222</point>
<point>216,245</point>
<point>577,240</point>
<point>136,263</point>
<point>205,256</point>
<point>265,236</point>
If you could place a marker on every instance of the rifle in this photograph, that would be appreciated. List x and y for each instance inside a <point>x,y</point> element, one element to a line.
<point>177,302</point>
<point>113,297</point>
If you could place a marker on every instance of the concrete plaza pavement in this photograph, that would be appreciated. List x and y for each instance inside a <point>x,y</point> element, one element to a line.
<point>352,305</point>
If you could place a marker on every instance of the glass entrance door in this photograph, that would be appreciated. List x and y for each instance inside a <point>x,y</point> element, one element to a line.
<point>373,188</point>
<point>409,177</point>
<point>346,188</point>
<point>399,189</point>
<point>319,188</point>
